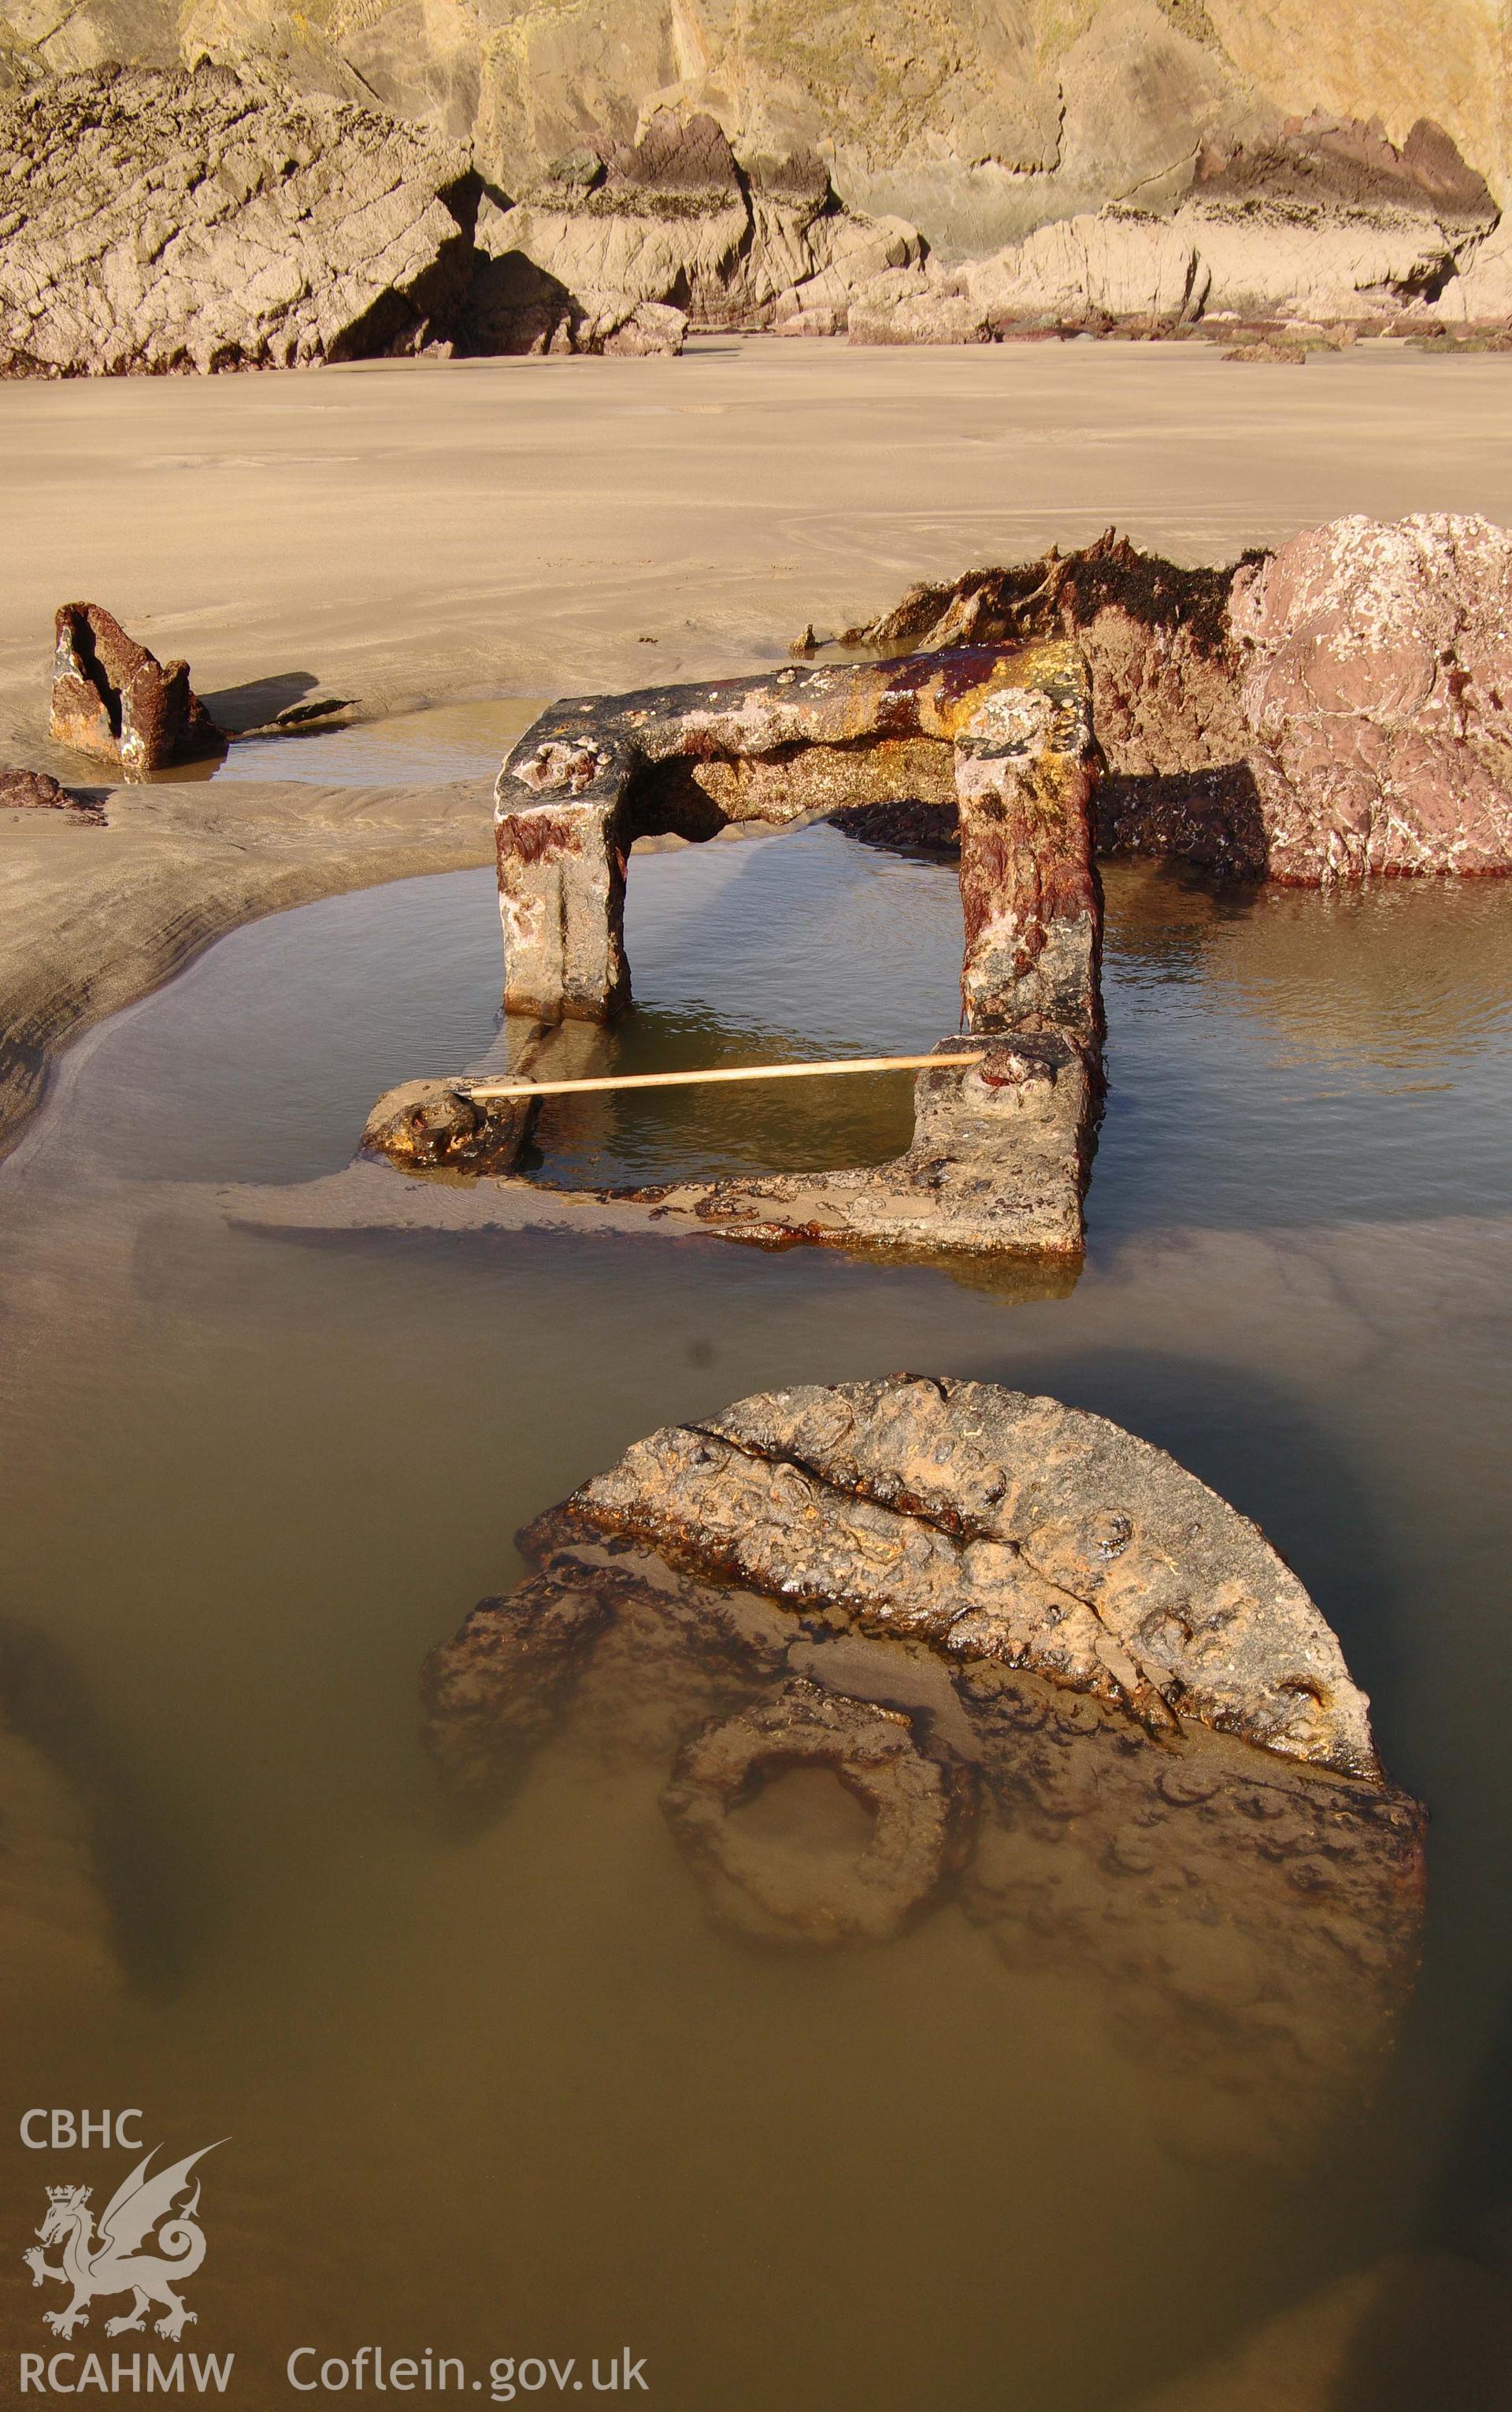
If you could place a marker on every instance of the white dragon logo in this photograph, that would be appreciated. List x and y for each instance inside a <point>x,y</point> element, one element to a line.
<point>110,2263</point>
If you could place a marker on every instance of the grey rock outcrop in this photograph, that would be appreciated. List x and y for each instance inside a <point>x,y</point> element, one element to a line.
<point>164,220</point>
<point>154,220</point>
<point>1329,220</point>
<point>1121,265</point>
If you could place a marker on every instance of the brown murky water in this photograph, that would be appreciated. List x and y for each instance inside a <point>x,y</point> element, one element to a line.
<point>508,2093</point>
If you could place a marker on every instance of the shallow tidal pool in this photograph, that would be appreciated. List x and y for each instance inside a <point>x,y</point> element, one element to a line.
<point>504,2091</point>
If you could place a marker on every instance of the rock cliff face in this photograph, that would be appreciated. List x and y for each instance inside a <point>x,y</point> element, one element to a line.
<point>565,177</point>
<point>162,221</point>
<point>975,118</point>
<point>1319,219</point>
<point>157,220</point>
<point>623,252</point>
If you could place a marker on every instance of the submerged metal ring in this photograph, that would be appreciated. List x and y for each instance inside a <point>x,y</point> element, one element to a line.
<point>921,1809</point>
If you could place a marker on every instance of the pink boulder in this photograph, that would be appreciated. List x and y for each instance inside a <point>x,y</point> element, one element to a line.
<point>1375,669</point>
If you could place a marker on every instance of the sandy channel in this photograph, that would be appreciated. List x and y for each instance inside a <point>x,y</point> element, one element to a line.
<point>400,533</point>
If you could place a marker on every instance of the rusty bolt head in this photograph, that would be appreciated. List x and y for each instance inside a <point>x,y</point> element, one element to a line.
<point>557,765</point>
<point>1014,1066</point>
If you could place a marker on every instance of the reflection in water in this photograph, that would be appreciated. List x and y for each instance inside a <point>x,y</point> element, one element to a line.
<point>446,740</point>
<point>58,1944</point>
<point>1334,1054</point>
<point>736,950</point>
<point>1351,1052</point>
<point>131,1886</point>
<point>249,1483</point>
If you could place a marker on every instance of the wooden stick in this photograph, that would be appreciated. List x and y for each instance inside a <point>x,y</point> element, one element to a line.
<point>725,1072</point>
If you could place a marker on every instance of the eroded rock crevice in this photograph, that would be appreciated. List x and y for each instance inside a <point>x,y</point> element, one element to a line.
<point>158,220</point>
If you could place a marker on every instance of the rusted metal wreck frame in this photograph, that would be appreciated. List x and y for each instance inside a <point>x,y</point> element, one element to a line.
<point>1004,732</point>
<point>1002,1145</point>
